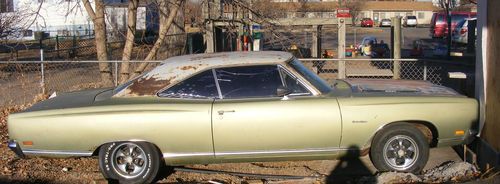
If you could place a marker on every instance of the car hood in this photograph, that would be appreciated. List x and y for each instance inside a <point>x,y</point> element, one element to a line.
<point>386,87</point>
<point>72,99</point>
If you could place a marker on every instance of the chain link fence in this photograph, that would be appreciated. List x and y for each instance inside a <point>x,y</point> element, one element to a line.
<point>22,82</point>
<point>64,48</point>
<point>409,69</point>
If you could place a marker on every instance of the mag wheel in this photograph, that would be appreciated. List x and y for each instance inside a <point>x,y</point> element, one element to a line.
<point>400,147</point>
<point>130,162</point>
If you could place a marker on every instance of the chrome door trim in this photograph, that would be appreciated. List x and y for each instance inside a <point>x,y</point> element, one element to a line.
<point>194,154</point>
<point>217,83</point>
<point>312,150</point>
<point>299,78</point>
<point>198,154</point>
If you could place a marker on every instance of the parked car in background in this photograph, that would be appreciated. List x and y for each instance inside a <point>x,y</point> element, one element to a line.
<point>460,35</point>
<point>243,107</point>
<point>370,47</point>
<point>410,21</point>
<point>385,23</point>
<point>439,25</point>
<point>366,22</point>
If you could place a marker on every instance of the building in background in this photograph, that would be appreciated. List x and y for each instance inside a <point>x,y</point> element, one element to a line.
<point>378,10</point>
<point>69,18</point>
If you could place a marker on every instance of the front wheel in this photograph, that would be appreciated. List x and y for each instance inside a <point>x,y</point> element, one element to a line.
<point>400,147</point>
<point>130,162</point>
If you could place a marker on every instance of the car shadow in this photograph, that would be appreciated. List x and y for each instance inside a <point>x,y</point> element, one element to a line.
<point>351,169</point>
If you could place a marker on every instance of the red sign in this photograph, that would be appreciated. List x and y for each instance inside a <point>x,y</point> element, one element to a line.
<point>343,13</point>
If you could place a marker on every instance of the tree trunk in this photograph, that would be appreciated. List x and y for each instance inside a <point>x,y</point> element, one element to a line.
<point>174,45</point>
<point>166,19</point>
<point>100,38</point>
<point>129,42</point>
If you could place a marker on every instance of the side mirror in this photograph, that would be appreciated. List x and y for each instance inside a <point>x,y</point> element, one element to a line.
<point>283,91</point>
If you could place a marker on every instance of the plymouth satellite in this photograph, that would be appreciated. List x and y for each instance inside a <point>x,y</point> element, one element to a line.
<point>243,107</point>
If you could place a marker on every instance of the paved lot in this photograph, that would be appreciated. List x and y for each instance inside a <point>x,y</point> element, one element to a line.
<point>354,36</point>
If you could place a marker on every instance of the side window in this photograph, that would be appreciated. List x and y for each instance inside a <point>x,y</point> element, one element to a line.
<point>200,86</point>
<point>249,81</point>
<point>293,84</point>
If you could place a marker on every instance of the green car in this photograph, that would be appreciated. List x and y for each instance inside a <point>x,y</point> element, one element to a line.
<point>243,107</point>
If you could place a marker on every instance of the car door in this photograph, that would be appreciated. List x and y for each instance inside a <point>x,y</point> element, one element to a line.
<point>251,121</point>
<point>186,109</point>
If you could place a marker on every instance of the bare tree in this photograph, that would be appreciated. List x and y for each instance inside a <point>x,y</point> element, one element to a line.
<point>355,8</point>
<point>8,24</point>
<point>129,41</point>
<point>97,17</point>
<point>193,12</point>
<point>13,22</point>
<point>167,11</point>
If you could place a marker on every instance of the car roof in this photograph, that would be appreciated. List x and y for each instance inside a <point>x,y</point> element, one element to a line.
<point>369,38</point>
<point>175,69</point>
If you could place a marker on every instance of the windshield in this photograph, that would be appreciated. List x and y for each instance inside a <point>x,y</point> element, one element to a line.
<point>310,76</point>
<point>456,18</point>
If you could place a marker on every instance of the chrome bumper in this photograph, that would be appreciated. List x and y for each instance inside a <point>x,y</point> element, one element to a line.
<point>14,146</point>
<point>472,134</point>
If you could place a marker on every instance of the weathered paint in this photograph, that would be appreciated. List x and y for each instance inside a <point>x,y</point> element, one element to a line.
<point>399,86</point>
<point>176,69</point>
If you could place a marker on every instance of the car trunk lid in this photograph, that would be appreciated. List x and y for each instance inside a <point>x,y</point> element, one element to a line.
<point>387,87</point>
<point>72,99</point>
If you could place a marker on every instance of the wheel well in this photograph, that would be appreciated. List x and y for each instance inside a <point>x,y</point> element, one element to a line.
<point>96,150</point>
<point>427,128</point>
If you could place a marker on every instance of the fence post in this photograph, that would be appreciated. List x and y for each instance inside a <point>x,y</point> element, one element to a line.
<point>341,48</point>
<point>74,46</point>
<point>57,46</point>
<point>425,70</point>
<point>42,67</point>
<point>396,29</point>
<point>116,73</point>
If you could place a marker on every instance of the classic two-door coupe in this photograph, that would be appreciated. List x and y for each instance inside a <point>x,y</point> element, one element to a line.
<point>243,107</point>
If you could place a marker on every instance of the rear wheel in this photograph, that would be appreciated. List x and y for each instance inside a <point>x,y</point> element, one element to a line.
<point>130,162</point>
<point>400,147</point>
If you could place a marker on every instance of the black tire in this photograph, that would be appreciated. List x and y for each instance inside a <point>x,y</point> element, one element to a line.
<point>130,162</point>
<point>400,147</point>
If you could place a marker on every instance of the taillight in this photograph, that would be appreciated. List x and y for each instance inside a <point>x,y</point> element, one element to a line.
<point>463,31</point>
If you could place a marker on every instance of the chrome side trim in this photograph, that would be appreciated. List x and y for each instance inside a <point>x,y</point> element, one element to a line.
<point>194,154</point>
<point>175,155</point>
<point>451,139</point>
<point>56,152</point>
<point>281,151</point>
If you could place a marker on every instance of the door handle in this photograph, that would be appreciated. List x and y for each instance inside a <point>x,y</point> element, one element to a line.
<point>221,112</point>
